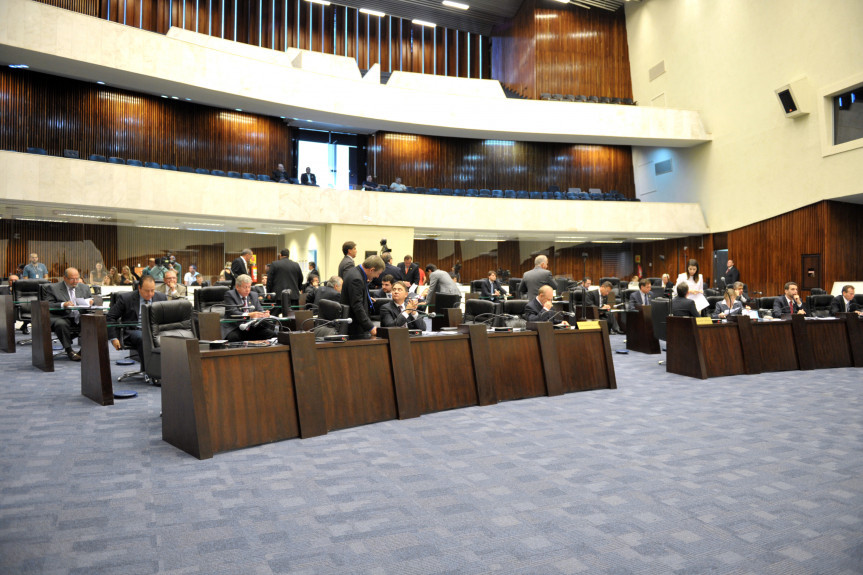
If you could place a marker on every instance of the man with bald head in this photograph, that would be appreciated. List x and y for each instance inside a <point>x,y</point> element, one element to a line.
<point>128,307</point>
<point>539,308</point>
<point>535,278</point>
<point>65,323</point>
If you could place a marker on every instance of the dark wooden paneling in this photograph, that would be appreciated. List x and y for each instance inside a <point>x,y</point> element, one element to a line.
<point>582,364</point>
<point>517,369</point>
<point>438,162</point>
<point>514,52</point>
<point>444,373</point>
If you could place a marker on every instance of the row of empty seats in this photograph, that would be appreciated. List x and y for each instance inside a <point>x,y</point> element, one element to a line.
<point>553,193</point>
<point>581,98</point>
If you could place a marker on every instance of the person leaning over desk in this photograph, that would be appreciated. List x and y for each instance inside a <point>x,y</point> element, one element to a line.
<point>355,294</point>
<point>242,304</point>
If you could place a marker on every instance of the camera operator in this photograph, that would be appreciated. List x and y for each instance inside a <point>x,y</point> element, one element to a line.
<point>155,269</point>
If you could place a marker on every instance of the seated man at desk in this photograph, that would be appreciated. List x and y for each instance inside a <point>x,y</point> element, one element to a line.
<point>400,311</point>
<point>331,290</point>
<point>642,296</point>
<point>386,291</point>
<point>741,297</point>
<point>789,303</point>
<point>171,288</point>
<point>242,303</point>
<point>127,308</point>
<point>66,324</point>
<point>539,308</point>
<point>599,298</point>
<point>842,303</point>
<point>682,306</point>
<point>491,289</point>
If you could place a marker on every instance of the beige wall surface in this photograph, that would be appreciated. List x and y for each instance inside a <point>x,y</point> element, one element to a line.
<point>725,59</point>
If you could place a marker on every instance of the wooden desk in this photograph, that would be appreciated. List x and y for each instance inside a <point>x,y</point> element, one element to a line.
<point>639,331</point>
<point>40,331</point>
<point>585,359</point>
<point>96,382</point>
<point>7,323</point>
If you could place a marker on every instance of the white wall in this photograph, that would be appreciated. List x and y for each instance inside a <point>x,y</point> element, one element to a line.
<point>725,59</point>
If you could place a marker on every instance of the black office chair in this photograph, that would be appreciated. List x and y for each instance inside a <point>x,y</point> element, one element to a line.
<point>223,283</point>
<point>615,282</point>
<point>765,306</point>
<point>207,298</point>
<point>659,309</point>
<point>24,292</point>
<point>163,318</point>
<point>514,307</point>
<point>444,301</point>
<point>819,305</point>
<point>626,293</point>
<point>375,314</point>
<point>476,286</point>
<point>709,292</point>
<point>713,300</point>
<point>476,307</point>
<point>514,284</point>
<point>817,291</point>
<point>329,310</point>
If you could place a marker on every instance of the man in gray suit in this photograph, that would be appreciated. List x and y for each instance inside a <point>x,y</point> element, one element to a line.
<point>536,278</point>
<point>67,323</point>
<point>439,282</point>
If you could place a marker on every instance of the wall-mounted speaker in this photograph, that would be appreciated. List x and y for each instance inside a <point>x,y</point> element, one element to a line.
<point>794,98</point>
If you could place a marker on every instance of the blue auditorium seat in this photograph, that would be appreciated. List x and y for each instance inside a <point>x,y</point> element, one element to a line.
<point>218,173</point>
<point>71,154</point>
<point>580,98</point>
<point>458,192</point>
<point>98,158</point>
<point>264,178</point>
<point>485,193</point>
<point>420,190</point>
<point>152,165</point>
<point>383,188</point>
<point>37,151</point>
<point>233,174</point>
<point>522,195</point>
<point>410,190</point>
<point>136,163</point>
<point>536,195</point>
<point>171,167</point>
<point>116,160</point>
<point>571,196</point>
<point>548,195</point>
<point>433,191</point>
<point>509,194</point>
<point>497,193</point>
<point>583,195</point>
<point>470,193</point>
<point>203,171</point>
<point>593,99</point>
<point>294,181</point>
<point>187,169</point>
<point>446,191</point>
<point>249,176</point>
<point>559,196</point>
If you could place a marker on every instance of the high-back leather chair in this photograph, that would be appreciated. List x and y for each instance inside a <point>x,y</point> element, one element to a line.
<point>444,301</point>
<point>765,306</point>
<point>819,305</point>
<point>329,310</point>
<point>24,292</point>
<point>515,307</point>
<point>615,282</point>
<point>475,307</point>
<point>713,300</point>
<point>210,298</point>
<point>514,284</point>
<point>163,318</point>
<point>476,286</point>
<point>659,309</point>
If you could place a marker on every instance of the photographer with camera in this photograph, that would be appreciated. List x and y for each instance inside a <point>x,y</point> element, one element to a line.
<point>155,269</point>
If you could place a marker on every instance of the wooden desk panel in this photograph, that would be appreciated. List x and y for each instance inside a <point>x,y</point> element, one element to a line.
<point>42,348</point>
<point>774,341</point>
<point>517,365</point>
<point>639,331</point>
<point>250,396</point>
<point>96,382</point>
<point>829,343</point>
<point>444,372</point>
<point>723,351</point>
<point>585,360</point>
<point>357,383</point>
<point>7,323</point>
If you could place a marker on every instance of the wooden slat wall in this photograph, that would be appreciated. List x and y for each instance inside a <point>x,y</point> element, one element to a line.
<point>461,163</point>
<point>563,50</point>
<point>843,230</point>
<point>55,113</point>
<point>280,24</point>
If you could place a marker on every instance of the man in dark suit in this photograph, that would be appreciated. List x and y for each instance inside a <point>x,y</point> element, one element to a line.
<point>355,294</point>
<point>788,303</point>
<point>242,303</point>
<point>285,274</point>
<point>844,302</point>
<point>313,272</point>
<point>308,178</point>
<point>332,290</point>
<point>731,274</point>
<point>347,263</point>
<point>126,309</point>
<point>440,282</point>
<point>642,296</point>
<point>400,311</point>
<point>389,270</point>
<point>539,308</point>
<point>410,271</point>
<point>280,174</point>
<point>66,324</point>
<point>490,289</point>
<point>386,291</point>
<point>682,306</point>
<point>241,266</point>
<point>599,298</point>
<point>536,278</point>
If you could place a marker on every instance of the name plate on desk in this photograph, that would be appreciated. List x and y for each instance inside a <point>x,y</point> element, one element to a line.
<point>588,325</point>
<point>703,321</point>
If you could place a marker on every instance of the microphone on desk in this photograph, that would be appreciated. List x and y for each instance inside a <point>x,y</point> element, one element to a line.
<point>493,316</point>
<point>346,320</point>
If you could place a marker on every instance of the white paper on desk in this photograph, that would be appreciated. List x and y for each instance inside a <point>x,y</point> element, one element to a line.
<point>81,302</point>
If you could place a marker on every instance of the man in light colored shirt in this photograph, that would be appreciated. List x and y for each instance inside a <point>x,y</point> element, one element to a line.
<point>154,270</point>
<point>35,270</point>
<point>398,186</point>
<point>191,275</point>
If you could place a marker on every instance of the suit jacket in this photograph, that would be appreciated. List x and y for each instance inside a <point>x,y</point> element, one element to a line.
<point>594,297</point>
<point>731,275</point>
<point>57,294</point>
<point>238,268</point>
<point>355,294</point>
<point>533,311</point>
<point>487,290</point>
<point>310,275</point>
<point>125,310</point>
<point>683,307</point>
<point>279,175</point>
<point>838,305</point>
<point>181,291</point>
<point>377,283</point>
<point>412,275</point>
<point>392,317</point>
<point>233,309</point>
<point>722,307</point>
<point>780,306</point>
<point>636,298</point>
<point>308,179</point>
<point>285,274</point>
<point>325,292</point>
<point>346,264</point>
<point>535,279</point>
<point>440,282</point>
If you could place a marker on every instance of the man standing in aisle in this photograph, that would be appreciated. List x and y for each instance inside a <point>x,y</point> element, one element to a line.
<point>35,270</point>
<point>347,263</point>
<point>355,294</point>
<point>285,274</point>
<point>536,278</point>
<point>241,266</point>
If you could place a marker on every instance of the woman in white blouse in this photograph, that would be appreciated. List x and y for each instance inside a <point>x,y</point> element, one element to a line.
<point>696,285</point>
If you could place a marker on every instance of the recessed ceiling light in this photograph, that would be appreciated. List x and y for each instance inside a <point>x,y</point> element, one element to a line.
<point>372,12</point>
<point>188,99</point>
<point>19,66</point>
<point>203,224</point>
<point>160,227</point>
<point>458,5</point>
<point>321,2</point>
<point>238,109</point>
<point>607,242</point>
<point>649,239</point>
<point>100,82</point>
<point>41,220</point>
<point>424,23</point>
<point>175,98</point>
<point>164,96</point>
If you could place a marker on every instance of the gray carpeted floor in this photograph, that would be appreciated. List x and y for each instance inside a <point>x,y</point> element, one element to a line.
<point>753,474</point>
